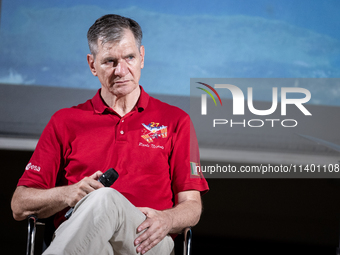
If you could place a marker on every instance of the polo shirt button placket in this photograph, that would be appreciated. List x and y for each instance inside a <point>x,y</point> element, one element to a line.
<point>121,130</point>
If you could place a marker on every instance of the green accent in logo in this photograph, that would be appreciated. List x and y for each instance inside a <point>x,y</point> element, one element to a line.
<point>207,91</point>
<point>213,90</point>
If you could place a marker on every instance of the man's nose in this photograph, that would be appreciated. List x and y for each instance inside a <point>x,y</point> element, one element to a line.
<point>121,69</point>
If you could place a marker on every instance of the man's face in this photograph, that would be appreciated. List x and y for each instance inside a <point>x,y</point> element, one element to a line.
<point>118,65</point>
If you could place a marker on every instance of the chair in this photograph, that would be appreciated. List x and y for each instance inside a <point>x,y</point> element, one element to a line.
<point>33,221</point>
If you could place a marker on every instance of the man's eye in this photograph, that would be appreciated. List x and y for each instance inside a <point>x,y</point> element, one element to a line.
<point>130,57</point>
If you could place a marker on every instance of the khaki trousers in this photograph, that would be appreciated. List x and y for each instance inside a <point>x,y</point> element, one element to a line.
<point>105,223</point>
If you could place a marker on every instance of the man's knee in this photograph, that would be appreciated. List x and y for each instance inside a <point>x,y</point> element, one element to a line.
<point>106,191</point>
<point>110,203</point>
<point>103,197</point>
<point>106,194</point>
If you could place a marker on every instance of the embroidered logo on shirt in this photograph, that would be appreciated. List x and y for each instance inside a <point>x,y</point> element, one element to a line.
<point>32,167</point>
<point>153,131</point>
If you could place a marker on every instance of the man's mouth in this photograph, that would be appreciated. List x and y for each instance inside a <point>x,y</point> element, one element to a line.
<point>121,82</point>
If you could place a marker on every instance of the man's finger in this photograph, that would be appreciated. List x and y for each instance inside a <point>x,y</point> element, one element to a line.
<point>149,240</point>
<point>150,246</point>
<point>145,210</point>
<point>144,226</point>
<point>95,184</point>
<point>151,233</point>
<point>146,223</point>
<point>88,185</point>
<point>144,240</point>
<point>96,175</point>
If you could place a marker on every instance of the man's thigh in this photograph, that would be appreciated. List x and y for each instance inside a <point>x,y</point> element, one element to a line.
<point>103,216</point>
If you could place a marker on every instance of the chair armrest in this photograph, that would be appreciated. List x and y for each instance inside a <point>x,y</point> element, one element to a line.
<point>32,220</point>
<point>187,241</point>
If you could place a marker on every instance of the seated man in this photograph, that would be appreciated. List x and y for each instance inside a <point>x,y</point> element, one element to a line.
<point>151,144</point>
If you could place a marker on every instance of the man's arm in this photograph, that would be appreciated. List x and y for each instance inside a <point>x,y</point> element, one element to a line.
<point>158,224</point>
<point>46,202</point>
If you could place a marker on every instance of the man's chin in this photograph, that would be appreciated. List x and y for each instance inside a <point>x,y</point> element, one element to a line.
<point>123,89</point>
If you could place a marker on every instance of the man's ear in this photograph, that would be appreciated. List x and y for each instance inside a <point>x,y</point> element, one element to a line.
<point>142,54</point>
<point>90,61</point>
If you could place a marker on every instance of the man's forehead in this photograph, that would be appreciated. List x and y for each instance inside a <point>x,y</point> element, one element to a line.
<point>126,36</point>
<point>117,49</point>
<point>107,45</point>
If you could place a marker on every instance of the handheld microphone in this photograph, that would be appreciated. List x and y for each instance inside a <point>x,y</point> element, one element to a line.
<point>107,179</point>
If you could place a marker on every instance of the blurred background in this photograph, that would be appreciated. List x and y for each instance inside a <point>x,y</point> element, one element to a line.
<point>43,68</point>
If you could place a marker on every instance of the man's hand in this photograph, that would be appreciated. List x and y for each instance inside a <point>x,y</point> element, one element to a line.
<point>77,191</point>
<point>160,223</point>
<point>156,226</point>
<point>46,202</point>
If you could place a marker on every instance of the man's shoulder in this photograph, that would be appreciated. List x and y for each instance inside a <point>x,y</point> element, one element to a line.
<point>74,111</point>
<point>162,106</point>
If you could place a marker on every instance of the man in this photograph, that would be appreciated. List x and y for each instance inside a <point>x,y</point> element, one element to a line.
<point>146,141</point>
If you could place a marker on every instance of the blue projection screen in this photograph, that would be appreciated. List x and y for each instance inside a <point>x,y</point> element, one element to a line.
<point>44,42</point>
<point>43,50</point>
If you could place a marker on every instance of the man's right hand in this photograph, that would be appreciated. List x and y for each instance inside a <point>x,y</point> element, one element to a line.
<point>46,202</point>
<point>77,191</point>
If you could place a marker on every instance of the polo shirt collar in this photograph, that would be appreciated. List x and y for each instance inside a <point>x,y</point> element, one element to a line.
<point>99,106</point>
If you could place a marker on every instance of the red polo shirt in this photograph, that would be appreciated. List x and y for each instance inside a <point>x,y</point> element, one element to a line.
<point>149,148</point>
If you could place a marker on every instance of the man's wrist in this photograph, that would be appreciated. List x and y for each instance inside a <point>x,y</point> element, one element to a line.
<point>171,219</point>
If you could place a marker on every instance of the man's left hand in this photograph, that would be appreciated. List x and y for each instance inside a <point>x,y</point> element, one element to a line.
<point>156,226</point>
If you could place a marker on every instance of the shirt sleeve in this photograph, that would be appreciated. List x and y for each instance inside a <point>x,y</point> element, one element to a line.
<point>43,167</point>
<point>184,160</point>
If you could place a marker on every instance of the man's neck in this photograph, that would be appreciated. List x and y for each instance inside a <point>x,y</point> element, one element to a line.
<point>121,104</point>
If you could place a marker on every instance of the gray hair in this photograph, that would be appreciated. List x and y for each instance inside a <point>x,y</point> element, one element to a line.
<point>110,28</point>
